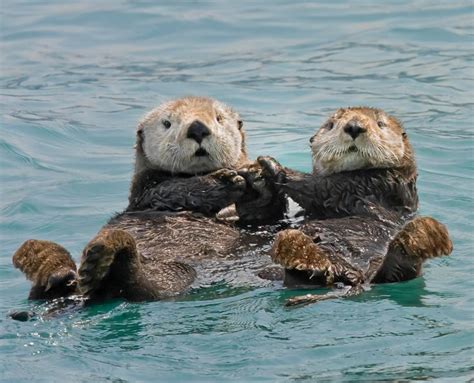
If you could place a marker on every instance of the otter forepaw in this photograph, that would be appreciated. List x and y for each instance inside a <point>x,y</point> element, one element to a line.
<point>260,189</point>
<point>233,184</point>
<point>261,201</point>
<point>229,177</point>
<point>271,168</point>
<point>295,250</point>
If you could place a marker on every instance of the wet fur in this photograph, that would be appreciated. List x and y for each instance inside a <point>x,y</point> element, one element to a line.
<point>360,205</point>
<point>48,266</point>
<point>150,251</point>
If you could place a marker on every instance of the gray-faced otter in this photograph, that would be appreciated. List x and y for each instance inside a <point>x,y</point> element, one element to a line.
<point>187,154</point>
<point>360,204</point>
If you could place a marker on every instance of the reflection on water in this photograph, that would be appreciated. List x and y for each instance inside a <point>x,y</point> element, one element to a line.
<point>75,78</point>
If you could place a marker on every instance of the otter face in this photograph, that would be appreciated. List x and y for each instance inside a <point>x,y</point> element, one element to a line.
<point>358,138</point>
<point>191,135</point>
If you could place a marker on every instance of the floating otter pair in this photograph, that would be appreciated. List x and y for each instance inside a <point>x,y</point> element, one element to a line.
<point>363,187</point>
<point>360,204</point>
<point>187,154</point>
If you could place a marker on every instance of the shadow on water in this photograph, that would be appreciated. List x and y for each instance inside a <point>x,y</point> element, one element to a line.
<point>114,324</point>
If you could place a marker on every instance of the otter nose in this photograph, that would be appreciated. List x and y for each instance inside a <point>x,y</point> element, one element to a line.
<point>353,129</point>
<point>197,131</point>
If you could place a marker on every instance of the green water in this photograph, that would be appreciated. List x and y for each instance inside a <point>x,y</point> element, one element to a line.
<point>75,78</point>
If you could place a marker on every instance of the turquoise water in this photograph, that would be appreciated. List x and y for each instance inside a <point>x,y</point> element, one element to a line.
<point>75,78</point>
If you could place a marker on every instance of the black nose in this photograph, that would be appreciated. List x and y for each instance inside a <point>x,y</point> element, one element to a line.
<point>353,129</point>
<point>197,131</point>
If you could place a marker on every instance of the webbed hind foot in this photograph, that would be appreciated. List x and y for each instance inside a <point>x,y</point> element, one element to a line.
<point>420,239</point>
<point>423,238</point>
<point>295,250</point>
<point>309,263</point>
<point>107,262</point>
<point>48,266</point>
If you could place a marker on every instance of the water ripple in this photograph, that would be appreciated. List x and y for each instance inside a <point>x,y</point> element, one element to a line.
<point>76,78</point>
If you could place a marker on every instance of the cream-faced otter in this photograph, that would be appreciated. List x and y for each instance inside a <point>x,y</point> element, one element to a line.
<point>360,204</point>
<point>188,152</point>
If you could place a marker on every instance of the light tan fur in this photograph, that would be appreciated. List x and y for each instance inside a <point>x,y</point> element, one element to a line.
<point>169,149</point>
<point>423,238</point>
<point>382,145</point>
<point>40,260</point>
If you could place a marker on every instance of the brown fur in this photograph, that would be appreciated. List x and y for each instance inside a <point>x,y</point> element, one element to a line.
<point>48,266</point>
<point>151,250</point>
<point>359,205</point>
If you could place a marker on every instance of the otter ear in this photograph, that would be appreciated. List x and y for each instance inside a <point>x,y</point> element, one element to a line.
<point>240,124</point>
<point>140,128</point>
<point>140,135</point>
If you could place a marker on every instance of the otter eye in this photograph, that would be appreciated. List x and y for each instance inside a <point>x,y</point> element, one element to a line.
<point>219,118</point>
<point>240,124</point>
<point>166,124</point>
<point>329,125</point>
<point>381,124</point>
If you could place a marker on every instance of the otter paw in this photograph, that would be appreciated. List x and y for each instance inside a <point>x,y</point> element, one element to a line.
<point>423,238</point>
<point>109,248</point>
<point>230,178</point>
<point>271,168</point>
<point>295,250</point>
<point>228,214</point>
<point>49,266</point>
<point>96,260</point>
<point>262,199</point>
<point>260,189</point>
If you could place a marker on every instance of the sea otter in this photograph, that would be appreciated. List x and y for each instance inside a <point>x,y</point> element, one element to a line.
<point>360,205</point>
<point>188,152</point>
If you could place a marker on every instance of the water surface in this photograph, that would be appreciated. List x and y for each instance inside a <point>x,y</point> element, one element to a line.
<point>76,76</point>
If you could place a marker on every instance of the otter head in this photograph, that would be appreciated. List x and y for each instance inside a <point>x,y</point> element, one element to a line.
<point>360,138</point>
<point>190,135</point>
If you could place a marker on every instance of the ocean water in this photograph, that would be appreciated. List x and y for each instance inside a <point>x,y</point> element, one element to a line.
<point>76,76</point>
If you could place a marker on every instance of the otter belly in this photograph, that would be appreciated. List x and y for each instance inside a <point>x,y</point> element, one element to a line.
<point>167,236</point>
<point>217,251</point>
<point>322,252</point>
